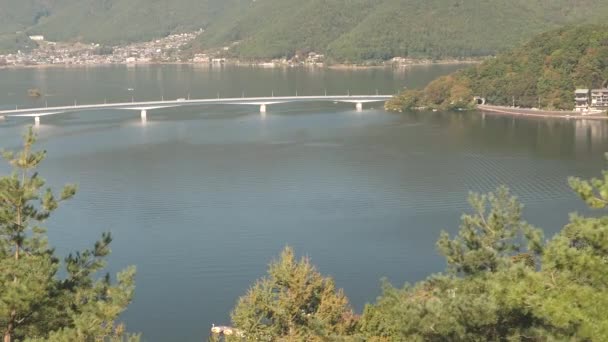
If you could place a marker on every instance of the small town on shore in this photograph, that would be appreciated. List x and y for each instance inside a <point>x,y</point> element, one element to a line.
<point>172,49</point>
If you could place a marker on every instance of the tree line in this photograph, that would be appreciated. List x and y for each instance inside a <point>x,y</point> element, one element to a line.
<point>353,31</point>
<point>542,73</point>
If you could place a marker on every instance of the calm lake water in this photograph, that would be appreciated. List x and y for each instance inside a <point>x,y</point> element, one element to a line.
<point>201,199</point>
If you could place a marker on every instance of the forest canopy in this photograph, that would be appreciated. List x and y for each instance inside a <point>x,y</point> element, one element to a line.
<point>542,73</point>
<point>343,30</point>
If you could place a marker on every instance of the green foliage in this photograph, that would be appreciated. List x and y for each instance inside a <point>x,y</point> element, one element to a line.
<point>109,21</point>
<point>362,30</point>
<point>11,42</point>
<point>504,282</point>
<point>295,302</point>
<point>467,304</point>
<point>487,240</point>
<point>406,100</point>
<point>345,30</point>
<point>35,304</point>
<point>287,27</point>
<point>497,290</point>
<point>544,72</point>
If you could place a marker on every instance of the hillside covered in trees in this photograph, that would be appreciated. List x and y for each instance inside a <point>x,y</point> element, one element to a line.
<point>357,30</point>
<point>344,30</point>
<point>104,21</point>
<point>542,73</point>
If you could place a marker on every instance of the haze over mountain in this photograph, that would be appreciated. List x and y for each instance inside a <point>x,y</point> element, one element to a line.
<point>345,30</point>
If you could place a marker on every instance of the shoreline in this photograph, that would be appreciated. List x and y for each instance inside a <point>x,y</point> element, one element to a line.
<point>536,113</point>
<point>249,65</point>
<point>404,65</point>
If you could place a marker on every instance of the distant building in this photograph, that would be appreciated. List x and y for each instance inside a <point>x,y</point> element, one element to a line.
<point>37,38</point>
<point>594,99</point>
<point>201,58</point>
<point>581,98</point>
<point>599,98</point>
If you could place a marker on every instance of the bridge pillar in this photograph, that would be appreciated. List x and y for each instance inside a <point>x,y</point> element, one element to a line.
<point>144,115</point>
<point>263,108</point>
<point>2,118</point>
<point>36,121</point>
<point>359,106</point>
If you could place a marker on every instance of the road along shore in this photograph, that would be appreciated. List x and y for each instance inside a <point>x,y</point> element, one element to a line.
<point>529,112</point>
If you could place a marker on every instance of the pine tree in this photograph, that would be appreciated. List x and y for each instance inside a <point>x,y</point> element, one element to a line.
<point>575,269</point>
<point>294,302</point>
<point>493,251</point>
<point>496,289</point>
<point>35,304</point>
<point>491,240</point>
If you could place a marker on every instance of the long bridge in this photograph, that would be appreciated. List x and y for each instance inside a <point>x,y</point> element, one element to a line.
<point>144,107</point>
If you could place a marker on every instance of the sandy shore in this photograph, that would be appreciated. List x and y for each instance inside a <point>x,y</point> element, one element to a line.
<point>528,112</point>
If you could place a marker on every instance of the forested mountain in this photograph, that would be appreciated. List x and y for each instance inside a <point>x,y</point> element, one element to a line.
<point>18,15</point>
<point>357,30</point>
<point>545,71</point>
<point>345,30</point>
<point>104,21</point>
<point>117,21</point>
<point>272,28</point>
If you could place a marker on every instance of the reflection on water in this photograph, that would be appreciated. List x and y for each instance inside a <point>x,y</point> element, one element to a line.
<point>590,137</point>
<point>201,199</point>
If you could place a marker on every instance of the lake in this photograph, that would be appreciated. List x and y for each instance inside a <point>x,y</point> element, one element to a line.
<point>201,199</point>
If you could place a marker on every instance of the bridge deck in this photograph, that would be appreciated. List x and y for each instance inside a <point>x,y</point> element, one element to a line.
<point>149,105</point>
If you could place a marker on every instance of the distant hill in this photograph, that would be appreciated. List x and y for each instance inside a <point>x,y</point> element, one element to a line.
<point>119,21</point>
<point>344,30</point>
<point>105,21</point>
<point>357,30</point>
<point>544,71</point>
<point>16,16</point>
<point>277,28</point>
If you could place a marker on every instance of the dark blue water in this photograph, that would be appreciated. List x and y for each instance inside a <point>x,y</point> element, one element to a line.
<point>201,199</point>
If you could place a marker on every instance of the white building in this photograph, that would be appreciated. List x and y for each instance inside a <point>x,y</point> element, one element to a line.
<point>599,98</point>
<point>594,99</point>
<point>37,38</point>
<point>581,98</point>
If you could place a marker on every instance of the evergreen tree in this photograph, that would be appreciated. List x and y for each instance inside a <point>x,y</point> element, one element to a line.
<point>35,304</point>
<point>498,290</point>
<point>489,241</point>
<point>294,302</point>
<point>575,269</point>
<point>469,302</point>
